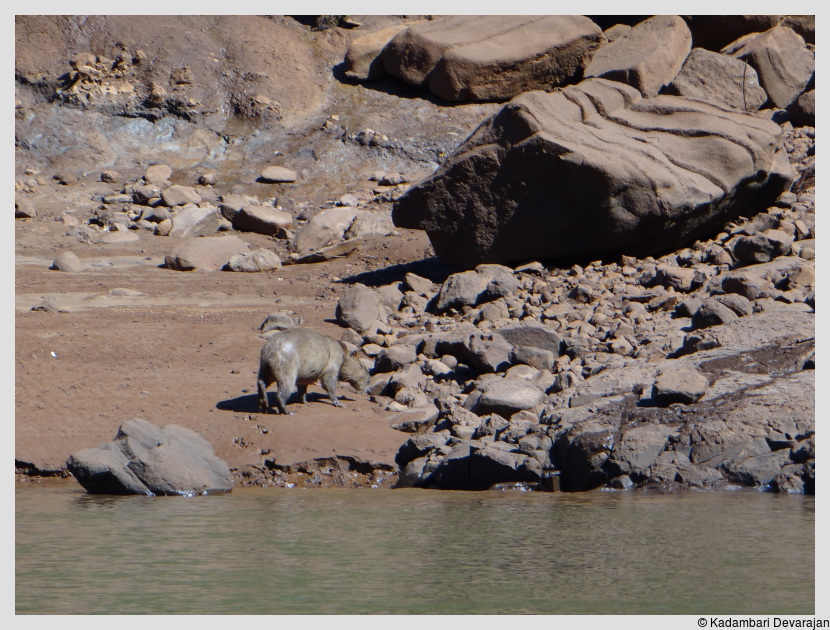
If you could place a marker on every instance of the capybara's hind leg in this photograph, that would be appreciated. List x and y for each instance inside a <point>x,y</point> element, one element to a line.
<point>263,381</point>
<point>301,392</point>
<point>284,390</point>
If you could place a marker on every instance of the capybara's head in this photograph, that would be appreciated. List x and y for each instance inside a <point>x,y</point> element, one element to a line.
<point>355,374</point>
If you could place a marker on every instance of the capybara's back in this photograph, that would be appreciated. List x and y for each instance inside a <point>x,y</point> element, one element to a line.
<point>297,357</point>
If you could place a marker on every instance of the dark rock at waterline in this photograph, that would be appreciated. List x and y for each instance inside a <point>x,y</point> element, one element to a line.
<point>581,172</point>
<point>150,460</point>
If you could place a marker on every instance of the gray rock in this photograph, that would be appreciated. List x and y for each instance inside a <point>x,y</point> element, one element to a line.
<point>261,219</point>
<point>472,465</point>
<point>67,261</point>
<point>581,453</point>
<point>535,357</point>
<point>278,174</point>
<point>487,354</point>
<point>803,110</point>
<point>507,396</point>
<point>712,313</point>
<point>196,221</point>
<point>782,59</point>
<point>421,286</point>
<point>158,174</point>
<point>415,421</point>
<point>255,261</point>
<point>582,154</point>
<point>323,229</point>
<point>719,79</point>
<point>738,304</point>
<point>532,335</point>
<point>24,209</point>
<point>408,376</point>
<point>369,222</point>
<point>681,279</point>
<point>684,385</point>
<point>395,357</point>
<point>759,470</point>
<point>146,459</point>
<point>459,290</point>
<point>177,195</point>
<point>647,57</point>
<point>638,448</point>
<point>206,253</point>
<point>359,308</point>
<point>761,248</point>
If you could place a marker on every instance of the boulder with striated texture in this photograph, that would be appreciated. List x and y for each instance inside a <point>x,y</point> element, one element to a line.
<point>594,169</point>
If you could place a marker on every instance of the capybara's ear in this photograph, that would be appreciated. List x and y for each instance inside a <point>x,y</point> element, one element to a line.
<point>353,353</point>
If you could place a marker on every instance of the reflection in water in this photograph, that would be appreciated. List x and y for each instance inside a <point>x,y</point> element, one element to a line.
<point>279,551</point>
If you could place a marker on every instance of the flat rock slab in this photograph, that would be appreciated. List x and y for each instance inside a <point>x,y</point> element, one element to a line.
<point>593,170</point>
<point>492,58</point>
<point>278,174</point>
<point>150,460</point>
<point>261,219</point>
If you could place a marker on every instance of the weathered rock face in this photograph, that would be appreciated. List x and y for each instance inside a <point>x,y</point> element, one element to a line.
<point>719,79</point>
<point>150,460</point>
<point>782,59</point>
<point>594,169</point>
<point>647,57</point>
<point>492,58</point>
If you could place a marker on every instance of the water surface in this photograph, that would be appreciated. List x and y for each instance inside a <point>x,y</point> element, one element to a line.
<point>292,551</point>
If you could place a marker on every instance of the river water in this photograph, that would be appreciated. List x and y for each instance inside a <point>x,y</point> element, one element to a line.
<point>338,551</point>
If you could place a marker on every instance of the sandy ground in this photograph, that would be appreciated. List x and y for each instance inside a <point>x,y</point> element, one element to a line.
<point>185,350</point>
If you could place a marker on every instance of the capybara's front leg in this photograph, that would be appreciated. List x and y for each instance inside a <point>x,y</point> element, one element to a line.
<point>330,385</point>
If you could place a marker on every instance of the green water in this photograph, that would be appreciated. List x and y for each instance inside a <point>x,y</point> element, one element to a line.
<point>279,551</point>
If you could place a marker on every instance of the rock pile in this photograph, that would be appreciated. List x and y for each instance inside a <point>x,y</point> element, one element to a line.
<point>609,374</point>
<point>621,162</point>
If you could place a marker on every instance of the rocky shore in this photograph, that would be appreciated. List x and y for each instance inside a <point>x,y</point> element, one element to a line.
<point>618,288</point>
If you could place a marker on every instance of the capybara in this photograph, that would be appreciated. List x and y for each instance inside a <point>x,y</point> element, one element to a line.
<point>297,357</point>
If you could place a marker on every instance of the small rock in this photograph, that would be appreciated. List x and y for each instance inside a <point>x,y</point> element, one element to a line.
<point>66,261</point>
<point>208,179</point>
<point>278,174</point>
<point>177,195</point>
<point>679,386</point>
<point>712,313</point>
<point>256,261</point>
<point>158,174</point>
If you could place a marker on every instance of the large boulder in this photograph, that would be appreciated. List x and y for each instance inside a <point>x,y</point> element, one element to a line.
<point>150,460</point>
<point>492,57</point>
<point>784,63</point>
<point>363,61</point>
<point>594,169</point>
<point>647,57</point>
